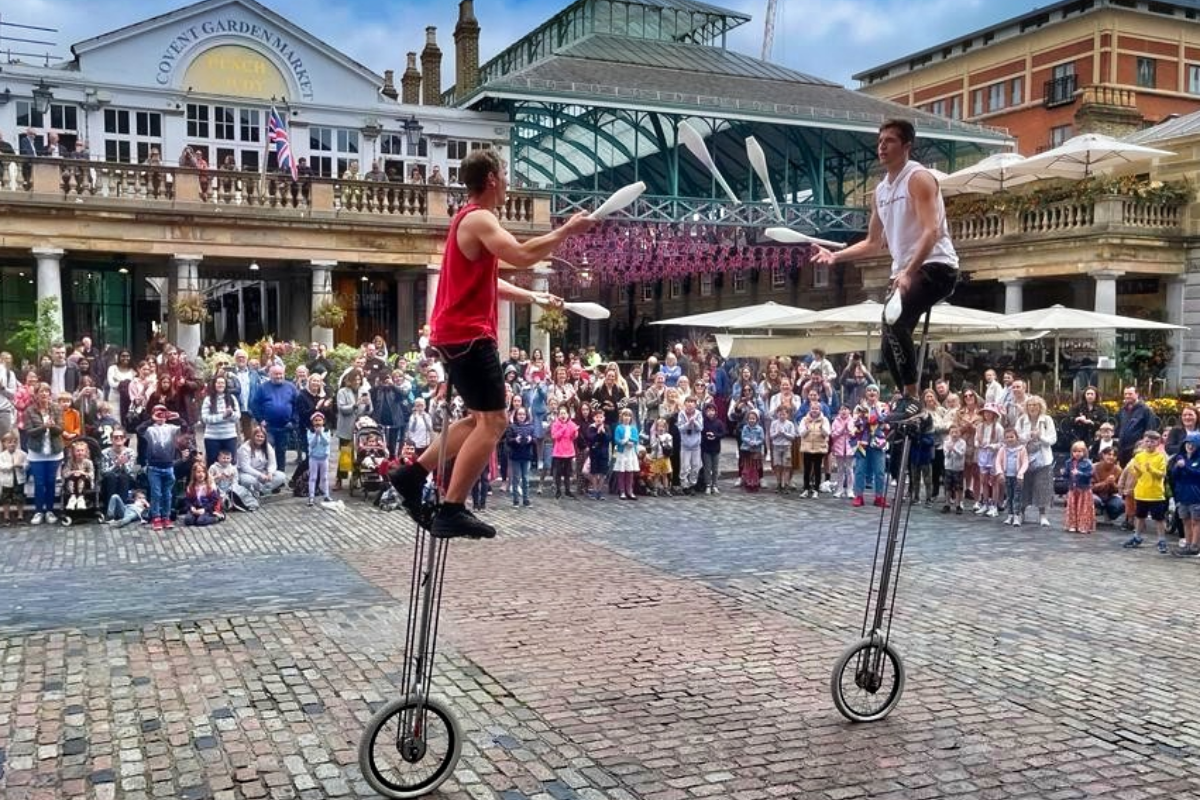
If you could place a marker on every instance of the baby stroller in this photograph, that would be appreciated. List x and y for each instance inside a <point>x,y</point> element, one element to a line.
<point>370,450</point>
<point>92,510</point>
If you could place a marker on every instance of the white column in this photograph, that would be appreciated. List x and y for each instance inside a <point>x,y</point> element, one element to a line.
<point>1014,295</point>
<point>537,337</point>
<point>187,279</point>
<point>504,325</point>
<point>322,290</point>
<point>1106,303</point>
<point>49,279</point>
<point>1175,287</point>
<point>433,275</point>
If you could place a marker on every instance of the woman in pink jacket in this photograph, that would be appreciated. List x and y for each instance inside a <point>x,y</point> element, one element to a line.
<point>841,450</point>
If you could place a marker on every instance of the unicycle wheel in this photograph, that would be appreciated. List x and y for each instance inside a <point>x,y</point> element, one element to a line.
<point>407,751</point>
<point>867,680</point>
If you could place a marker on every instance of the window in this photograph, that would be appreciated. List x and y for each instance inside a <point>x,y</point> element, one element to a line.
<point>251,126</point>
<point>706,284</point>
<point>456,149</point>
<point>197,121</point>
<point>1059,135</point>
<point>1018,91</point>
<point>820,276</point>
<point>1064,71</point>
<point>977,103</point>
<point>28,116</point>
<point>1146,72</point>
<point>938,107</point>
<point>996,96</point>
<point>739,282</point>
<point>956,107</point>
<point>64,118</point>
<point>778,277</point>
<point>1193,78</point>
<point>332,150</point>
<point>129,136</point>
<point>647,292</point>
<point>675,288</point>
<point>223,127</point>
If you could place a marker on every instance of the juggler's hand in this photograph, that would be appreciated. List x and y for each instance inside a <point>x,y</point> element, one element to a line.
<point>580,222</point>
<point>547,299</point>
<point>821,255</point>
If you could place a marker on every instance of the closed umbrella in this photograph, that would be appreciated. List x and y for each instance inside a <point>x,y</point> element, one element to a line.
<point>992,174</point>
<point>1086,155</point>
<point>1059,319</point>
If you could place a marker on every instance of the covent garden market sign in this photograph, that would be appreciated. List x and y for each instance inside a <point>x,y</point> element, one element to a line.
<point>185,39</point>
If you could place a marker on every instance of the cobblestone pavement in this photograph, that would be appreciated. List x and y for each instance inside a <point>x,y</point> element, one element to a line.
<point>668,649</point>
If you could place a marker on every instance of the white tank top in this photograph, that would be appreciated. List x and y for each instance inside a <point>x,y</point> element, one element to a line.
<point>899,220</point>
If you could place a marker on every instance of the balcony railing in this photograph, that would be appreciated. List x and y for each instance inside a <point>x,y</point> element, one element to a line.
<point>199,191</point>
<point>1110,213</point>
<point>1059,91</point>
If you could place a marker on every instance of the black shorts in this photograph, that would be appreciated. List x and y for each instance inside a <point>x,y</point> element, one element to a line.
<point>473,369</point>
<point>1154,509</point>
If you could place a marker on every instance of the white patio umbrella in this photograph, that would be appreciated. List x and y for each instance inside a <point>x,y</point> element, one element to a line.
<point>1086,155</point>
<point>1059,319</point>
<point>992,174</point>
<point>759,346</point>
<point>868,316</point>
<point>761,315</point>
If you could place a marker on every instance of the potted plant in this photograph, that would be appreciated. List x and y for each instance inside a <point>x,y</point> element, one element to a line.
<point>329,313</point>
<point>191,308</point>
<point>552,322</point>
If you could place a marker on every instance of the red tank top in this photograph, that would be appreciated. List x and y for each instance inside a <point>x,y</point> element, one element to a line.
<point>465,307</point>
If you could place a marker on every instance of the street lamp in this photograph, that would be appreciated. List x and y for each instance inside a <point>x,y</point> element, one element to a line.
<point>584,273</point>
<point>412,131</point>
<point>42,97</point>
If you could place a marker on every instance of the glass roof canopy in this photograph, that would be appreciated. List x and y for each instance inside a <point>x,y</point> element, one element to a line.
<point>596,93</point>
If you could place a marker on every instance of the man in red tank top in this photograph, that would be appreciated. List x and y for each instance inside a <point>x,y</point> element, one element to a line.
<point>463,323</point>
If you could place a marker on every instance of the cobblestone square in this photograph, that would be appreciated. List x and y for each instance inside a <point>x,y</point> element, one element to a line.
<point>672,648</point>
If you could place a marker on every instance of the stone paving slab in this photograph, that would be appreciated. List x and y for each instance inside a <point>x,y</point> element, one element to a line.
<point>667,649</point>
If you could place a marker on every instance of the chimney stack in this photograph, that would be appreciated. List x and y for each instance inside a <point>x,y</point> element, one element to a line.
<point>389,84</point>
<point>410,83</point>
<point>431,67</point>
<point>466,49</point>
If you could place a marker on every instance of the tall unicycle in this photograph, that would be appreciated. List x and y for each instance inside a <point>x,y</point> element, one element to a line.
<point>413,743</point>
<point>868,678</point>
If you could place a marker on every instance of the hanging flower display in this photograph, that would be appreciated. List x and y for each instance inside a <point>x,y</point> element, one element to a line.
<point>553,322</point>
<point>329,313</point>
<point>191,308</point>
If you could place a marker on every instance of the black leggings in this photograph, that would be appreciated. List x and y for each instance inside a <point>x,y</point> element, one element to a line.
<point>813,465</point>
<point>933,283</point>
<point>563,469</point>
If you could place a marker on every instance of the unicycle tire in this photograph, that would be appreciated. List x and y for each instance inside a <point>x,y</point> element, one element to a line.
<point>402,767</point>
<point>868,670</point>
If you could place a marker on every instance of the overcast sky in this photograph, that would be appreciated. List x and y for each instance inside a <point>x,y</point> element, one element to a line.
<point>829,38</point>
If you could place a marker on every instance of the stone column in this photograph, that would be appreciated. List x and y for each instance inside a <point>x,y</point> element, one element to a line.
<point>1175,293</point>
<point>434,274</point>
<point>504,324</point>
<point>322,290</point>
<point>537,337</point>
<point>1106,303</point>
<point>1014,295</point>
<point>187,279</point>
<point>49,279</point>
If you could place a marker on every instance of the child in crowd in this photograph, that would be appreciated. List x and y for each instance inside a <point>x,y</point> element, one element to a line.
<point>870,442</point>
<point>1125,486</point>
<point>106,423</point>
<point>783,433</point>
<point>224,475</point>
<point>841,447</point>
<point>72,424</point>
<point>78,477</point>
<point>481,488</point>
<point>1081,511</point>
<point>563,431</point>
<point>920,466</point>
<point>989,438</point>
<point>1149,493</point>
<point>751,443</point>
<point>318,459</point>
<point>661,444</point>
<point>1185,479</point>
<point>12,477</point>
<point>420,427</point>
<point>955,450</point>
<point>203,501</point>
<point>626,466</point>
<point>1012,463</point>
<point>372,451</point>
<point>691,430</point>
<point>1106,477</point>
<point>813,433</point>
<point>598,438</point>
<point>121,513</point>
<point>710,447</point>
<point>521,447</point>
<point>1105,440</point>
<point>160,439</point>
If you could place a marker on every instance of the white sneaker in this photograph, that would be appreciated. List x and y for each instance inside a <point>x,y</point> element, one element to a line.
<point>1044,522</point>
<point>37,519</point>
<point>51,518</point>
<point>1016,522</point>
<point>1009,519</point>
<point>992,512</point>
<point>715,490</point>
<point>980,509</point>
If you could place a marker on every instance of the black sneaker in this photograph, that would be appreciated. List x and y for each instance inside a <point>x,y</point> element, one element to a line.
<point>450,524</point>
<point>410,485</point>
<point>903,409</point>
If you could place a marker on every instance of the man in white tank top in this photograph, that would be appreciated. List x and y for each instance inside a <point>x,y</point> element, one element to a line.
<point>909,219</point>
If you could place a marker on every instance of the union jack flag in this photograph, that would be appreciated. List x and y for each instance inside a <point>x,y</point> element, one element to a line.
<point>278,136</point>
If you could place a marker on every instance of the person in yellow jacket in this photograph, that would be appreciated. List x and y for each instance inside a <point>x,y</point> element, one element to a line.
<point>1149,493</point>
